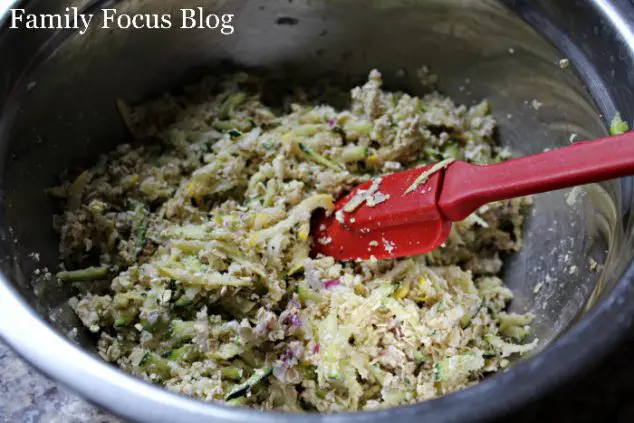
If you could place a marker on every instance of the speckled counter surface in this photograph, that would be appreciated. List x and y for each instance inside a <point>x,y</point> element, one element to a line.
<point>28,397</point>
<point>605,394</point>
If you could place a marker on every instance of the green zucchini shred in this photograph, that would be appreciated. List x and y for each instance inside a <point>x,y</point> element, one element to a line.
<point>242,389</point>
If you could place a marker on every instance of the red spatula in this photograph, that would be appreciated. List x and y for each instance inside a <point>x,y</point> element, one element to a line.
<point>410,212</point>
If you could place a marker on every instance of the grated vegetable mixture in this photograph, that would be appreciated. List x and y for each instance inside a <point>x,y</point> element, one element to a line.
<point>188,251</point>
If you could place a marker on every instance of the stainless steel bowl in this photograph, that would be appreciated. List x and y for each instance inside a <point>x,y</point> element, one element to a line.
<point>57,96</point>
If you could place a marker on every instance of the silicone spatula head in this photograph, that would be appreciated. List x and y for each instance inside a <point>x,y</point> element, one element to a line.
<point>389,222</point>
<point>406,213</point>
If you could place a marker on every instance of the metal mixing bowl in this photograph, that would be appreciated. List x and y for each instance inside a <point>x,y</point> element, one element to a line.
<point>57,96</point>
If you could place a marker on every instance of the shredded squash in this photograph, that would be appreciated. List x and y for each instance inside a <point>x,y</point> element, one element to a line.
<point>204,235</point>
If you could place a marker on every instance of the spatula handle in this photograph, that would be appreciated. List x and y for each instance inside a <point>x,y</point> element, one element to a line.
<point>466,187</point>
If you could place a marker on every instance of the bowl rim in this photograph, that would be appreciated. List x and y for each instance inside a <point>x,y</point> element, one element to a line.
<point>31,337</point>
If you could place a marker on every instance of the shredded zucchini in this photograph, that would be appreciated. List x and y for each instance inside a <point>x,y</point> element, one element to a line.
<point>258,376</point>
<point>618,125</point>
<point>83,275</point>
<point>199,247</point>
<point>424,176</point>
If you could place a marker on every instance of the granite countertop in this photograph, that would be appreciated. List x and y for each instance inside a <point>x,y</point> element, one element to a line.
<point>605,394</point>
<point>26,396</point>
